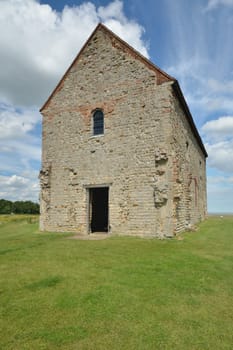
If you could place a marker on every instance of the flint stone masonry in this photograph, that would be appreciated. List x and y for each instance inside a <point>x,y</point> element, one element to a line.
<point>150,156</point>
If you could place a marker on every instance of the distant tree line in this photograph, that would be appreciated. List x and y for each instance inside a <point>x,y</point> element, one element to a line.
<point>18,207</point>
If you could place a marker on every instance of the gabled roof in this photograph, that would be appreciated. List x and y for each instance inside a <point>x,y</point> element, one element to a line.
<point>161,77</point>
<point>136,54</point>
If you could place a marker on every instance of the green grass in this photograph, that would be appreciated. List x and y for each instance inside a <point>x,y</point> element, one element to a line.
<point>118,293</point>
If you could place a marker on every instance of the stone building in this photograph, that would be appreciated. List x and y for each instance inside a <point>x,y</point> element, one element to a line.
<point>121,153</point>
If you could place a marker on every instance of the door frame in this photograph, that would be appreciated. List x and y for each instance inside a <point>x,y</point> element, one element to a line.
<point>89,206</point>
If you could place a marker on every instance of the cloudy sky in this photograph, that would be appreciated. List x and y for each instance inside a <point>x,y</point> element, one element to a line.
<point>191,40</point>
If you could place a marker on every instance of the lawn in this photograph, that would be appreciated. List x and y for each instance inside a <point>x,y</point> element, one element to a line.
<point>117,293</point>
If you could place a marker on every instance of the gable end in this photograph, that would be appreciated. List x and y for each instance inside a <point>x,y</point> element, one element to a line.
<point>117,42</point>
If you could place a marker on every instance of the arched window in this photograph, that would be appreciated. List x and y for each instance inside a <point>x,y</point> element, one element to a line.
<point>98,122</point>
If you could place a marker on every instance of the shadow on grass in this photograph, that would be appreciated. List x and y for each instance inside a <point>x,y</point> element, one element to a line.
<point>48,282</point>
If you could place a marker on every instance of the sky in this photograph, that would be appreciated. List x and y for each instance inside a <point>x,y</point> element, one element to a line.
<point>189,39</point>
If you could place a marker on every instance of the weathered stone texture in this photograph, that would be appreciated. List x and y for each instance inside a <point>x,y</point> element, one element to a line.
<point>189,172</point>
<point>148,154</point>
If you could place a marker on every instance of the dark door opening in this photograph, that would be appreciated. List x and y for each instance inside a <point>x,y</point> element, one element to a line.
<point>99,209</point>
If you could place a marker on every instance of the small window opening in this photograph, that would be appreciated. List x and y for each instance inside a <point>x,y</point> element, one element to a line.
<point>98,122</point>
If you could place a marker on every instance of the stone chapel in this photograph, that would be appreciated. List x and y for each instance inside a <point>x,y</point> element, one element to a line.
<point>120,151</point>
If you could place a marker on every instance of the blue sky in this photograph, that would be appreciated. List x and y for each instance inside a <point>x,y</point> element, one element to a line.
<point>191,40</point>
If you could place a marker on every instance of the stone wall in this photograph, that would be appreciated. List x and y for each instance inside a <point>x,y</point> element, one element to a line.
<point>189,172</point>
<point>143,161</point>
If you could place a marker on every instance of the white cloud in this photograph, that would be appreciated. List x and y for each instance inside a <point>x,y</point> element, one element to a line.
<point>221,155</point>
<point>218,135</point>
<point>225,87</point>
<point>203,95</point>
<point>38,44</point>
<point>212,4</point>
<point>220,194</point>
<point>17,124</point>
<point>224,180</point>
<point>16,181</point>
<point>112,10</point>
<point>220,128</point>
<point>19,188</point>
<point>18,139</point>
<point>201,58</point>
<point>20,153</point>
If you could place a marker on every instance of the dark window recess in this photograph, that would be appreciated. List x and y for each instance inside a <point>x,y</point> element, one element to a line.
<point>98,123</point>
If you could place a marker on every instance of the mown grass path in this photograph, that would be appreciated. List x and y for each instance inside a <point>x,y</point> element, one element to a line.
<point>118,293</point>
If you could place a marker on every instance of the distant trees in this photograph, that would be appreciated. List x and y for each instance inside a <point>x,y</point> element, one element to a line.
<point>18,207</point>
<point>5,206</point>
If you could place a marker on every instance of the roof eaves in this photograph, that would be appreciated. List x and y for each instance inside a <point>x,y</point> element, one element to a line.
<point>180,95</point>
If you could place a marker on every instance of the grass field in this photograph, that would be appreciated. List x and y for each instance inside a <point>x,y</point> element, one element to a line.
<point>118,293</point>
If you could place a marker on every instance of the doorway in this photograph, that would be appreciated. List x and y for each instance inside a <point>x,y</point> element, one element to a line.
<point>98,209</point>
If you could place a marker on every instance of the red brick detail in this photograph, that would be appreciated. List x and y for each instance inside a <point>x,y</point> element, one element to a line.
<point>107,107</point>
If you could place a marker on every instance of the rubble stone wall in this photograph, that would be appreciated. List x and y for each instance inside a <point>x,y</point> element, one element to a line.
<point>138,156</point>
<point>189,172</point>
